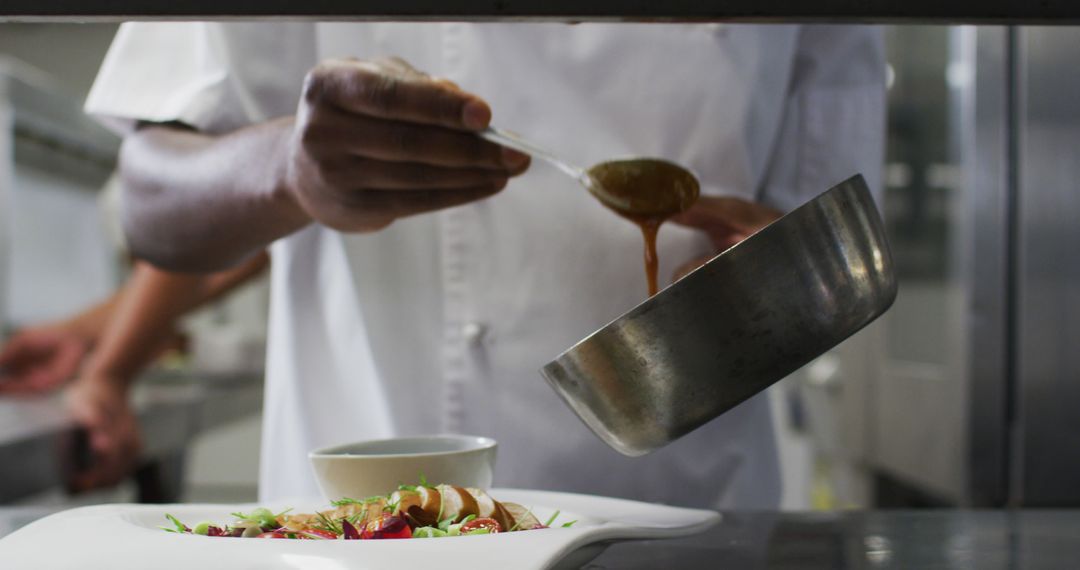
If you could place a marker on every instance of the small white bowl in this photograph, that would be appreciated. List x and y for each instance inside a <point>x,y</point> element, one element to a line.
<point>377,467</point>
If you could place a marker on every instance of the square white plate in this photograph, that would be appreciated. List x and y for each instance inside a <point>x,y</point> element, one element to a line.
<point>123,537</point>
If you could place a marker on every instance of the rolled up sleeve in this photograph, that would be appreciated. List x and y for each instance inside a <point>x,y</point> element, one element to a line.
<point>215,77</point>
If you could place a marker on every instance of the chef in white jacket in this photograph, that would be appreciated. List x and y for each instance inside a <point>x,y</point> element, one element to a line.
<point>439,321</point>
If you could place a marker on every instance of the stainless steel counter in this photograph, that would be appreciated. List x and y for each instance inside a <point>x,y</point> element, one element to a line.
<point>987,540</point>
<point>39,441</point>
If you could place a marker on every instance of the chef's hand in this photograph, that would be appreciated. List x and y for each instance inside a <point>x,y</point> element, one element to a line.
<point>378,140</point>
<point>101,407</point>
<point>40,359</point>
<point>726,220</point>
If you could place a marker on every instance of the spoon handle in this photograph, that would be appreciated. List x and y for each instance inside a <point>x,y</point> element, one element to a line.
<point>508,139</point>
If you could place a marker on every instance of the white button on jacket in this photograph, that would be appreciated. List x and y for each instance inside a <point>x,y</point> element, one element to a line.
<point>389,333</point>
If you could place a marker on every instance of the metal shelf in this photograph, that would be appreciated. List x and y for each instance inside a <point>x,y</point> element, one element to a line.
<point>877,11</point>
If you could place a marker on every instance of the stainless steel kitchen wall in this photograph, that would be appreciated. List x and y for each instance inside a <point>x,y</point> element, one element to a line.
<point>976,397</point>
<point>989,149</point>
<point>1046,412</point>
<point>1024,323</point>
<point>918,392</point>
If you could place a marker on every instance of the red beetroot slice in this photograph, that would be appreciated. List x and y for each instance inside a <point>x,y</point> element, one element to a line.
<point>349,531</point>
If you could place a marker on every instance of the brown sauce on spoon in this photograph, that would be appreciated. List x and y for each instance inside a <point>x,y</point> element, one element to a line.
<point>647,192</point>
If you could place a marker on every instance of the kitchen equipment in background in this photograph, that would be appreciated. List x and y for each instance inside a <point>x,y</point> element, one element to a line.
<point>973,391</point>
<point>55,257</point>
<point>746,319</point>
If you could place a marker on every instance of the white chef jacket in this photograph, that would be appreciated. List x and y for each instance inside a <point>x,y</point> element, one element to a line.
<point>440,322</point>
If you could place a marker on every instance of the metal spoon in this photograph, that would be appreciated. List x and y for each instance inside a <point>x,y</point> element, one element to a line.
<point>637,187</point>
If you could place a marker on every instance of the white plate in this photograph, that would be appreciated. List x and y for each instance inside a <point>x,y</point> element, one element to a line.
<point>122,537</point>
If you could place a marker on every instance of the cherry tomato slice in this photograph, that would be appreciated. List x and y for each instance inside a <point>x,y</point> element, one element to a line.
<point>491,524</point>
<point>316,534</point>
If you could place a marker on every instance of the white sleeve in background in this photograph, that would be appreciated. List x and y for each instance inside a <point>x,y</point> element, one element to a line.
<point>215,77</point>
<point>834,118</point>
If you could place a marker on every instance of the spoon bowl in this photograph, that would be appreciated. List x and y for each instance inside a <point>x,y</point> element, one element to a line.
<point>644,187</point>
<point>638,188</point>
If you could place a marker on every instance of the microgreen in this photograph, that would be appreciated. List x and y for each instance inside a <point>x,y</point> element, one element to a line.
<point>428,532</point>
<point>423,483</point>
<point>328,524</point>
<point>180,528</point>
<point>260,516</point>
<point>552,519</point>
<point>569,524</point>
<point>350,501</point>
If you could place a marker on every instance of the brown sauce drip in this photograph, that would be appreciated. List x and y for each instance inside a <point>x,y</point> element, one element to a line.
<point>649,228</point>
<point>649,192</point>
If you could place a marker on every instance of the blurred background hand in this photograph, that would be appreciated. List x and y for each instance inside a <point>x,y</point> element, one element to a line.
<point>101,406</point>
<point>40,359</point>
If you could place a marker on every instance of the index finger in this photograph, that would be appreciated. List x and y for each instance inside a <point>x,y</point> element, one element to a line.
<point>372,89</point>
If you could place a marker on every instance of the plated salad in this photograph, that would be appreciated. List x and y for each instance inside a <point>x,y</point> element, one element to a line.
<point>412,511</point>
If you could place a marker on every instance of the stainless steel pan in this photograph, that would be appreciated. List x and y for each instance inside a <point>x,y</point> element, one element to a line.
<point>747,318</point>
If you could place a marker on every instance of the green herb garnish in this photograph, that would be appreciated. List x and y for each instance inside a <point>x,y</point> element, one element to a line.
<point>444,525</point>
<point>365,501</point>
<point>180,528</point>
<point>328,524</point>
<point>423,483</point>
<point>428,532</point>
<point>552,519</point>
<point>567,525</point>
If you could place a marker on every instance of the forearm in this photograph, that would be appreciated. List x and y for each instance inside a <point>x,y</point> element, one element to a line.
<point>221,283</point>
<point>146,317</point>
<point>89,324</point>
<point>196,202</point>
<point>143,320</point>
